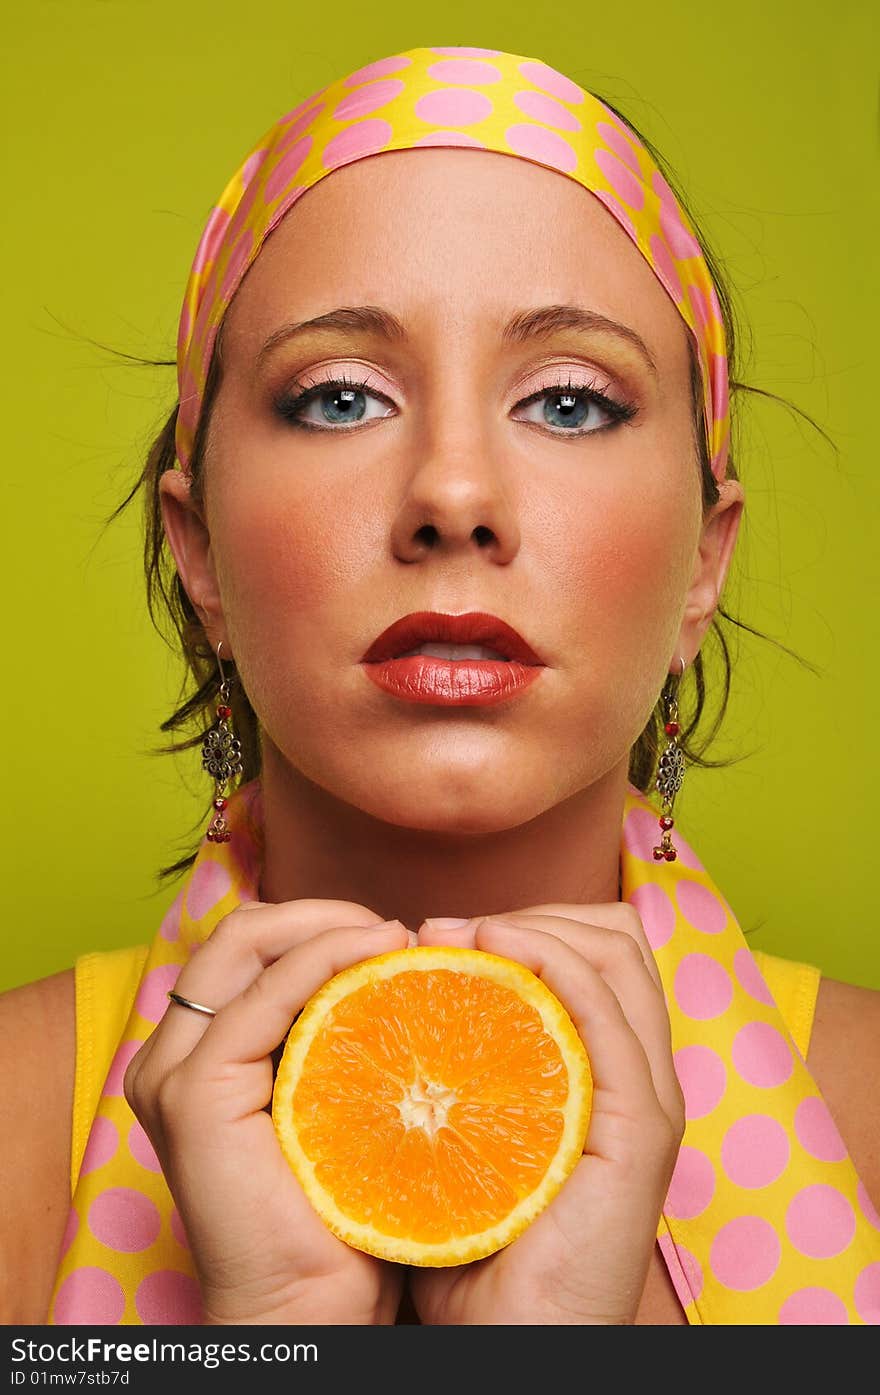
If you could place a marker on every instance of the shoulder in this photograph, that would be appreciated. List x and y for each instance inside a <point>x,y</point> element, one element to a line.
<point>37,1068</point>
<point>844,1060</point>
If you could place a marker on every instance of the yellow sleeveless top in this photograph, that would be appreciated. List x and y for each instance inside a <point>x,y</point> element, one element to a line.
<point>765,1222</point>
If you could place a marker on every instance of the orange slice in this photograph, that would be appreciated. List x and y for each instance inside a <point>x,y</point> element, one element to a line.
<point>431,1102</point>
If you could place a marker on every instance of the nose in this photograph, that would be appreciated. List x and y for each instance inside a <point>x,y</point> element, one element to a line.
<point>458,496</point>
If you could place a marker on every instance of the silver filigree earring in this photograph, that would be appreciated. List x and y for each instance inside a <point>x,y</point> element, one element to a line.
<point>221,757</point>
<point>670,771</point>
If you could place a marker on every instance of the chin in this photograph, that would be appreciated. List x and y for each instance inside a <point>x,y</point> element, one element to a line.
<point>480,809</point>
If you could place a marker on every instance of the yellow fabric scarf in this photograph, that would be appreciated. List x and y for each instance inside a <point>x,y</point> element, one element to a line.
<point>766,1220</point>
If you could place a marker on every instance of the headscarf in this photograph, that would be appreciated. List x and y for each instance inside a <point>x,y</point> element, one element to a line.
<point>477,98</point>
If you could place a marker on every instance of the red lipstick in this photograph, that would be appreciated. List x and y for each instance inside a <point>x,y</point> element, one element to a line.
<point>450,680</point>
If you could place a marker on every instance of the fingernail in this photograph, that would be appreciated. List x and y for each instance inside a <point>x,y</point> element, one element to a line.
<point>445,923</point>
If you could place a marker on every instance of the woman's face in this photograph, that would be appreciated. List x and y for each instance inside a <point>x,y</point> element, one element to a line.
<point>583,531</point>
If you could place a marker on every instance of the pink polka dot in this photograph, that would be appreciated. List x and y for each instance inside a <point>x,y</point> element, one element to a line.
<point>867,1294</point>
<point>641,830</point>
<point>698,307</point>
<point>141,1148</point>
<point>682,242</point>
<point>209,884</point>
<point>536,143</point>
<point>702,987</point>
<point>252,164</point>
<point>641,833</point>
<point>367,99</point>
<point>89,1294</point>
<point>540,108</point>
<point>70,1230</point>
<point>295,130</point>
<point>692,1185</point>
<point>152,998</point>
<point>469,52</point>
<point>450,138</point>
<point>465,70</point>
<point>381,68</point>
<point>168,1297</point>
<point>662,189</point>
<point>235,267</point>
<point>211,238</point>
<point>453,106</point>
<point>869,1210</point>
<point>550,81</point>
<point>363,138</point>
<point>817,1130</point>
<point>745,1253</point>
<point>684,1270</point>
<point>286,171</point>
<point>656,912</point>
<point>621,179</point>
<point>177,1229</point>
<point>755,1151</point>
<point>242,215</point>
<point>124,1219</point>
<point>665,268</point>
<point>119,1065</point>
<point>701,907</point>
<point>703,1079</point>
<point>718,376</point>
<point>170,927</point>
<point>813,1307</point>
<point>762,1055</point>
<point>623,149</point>
<point>820,1221</point>
<point>102,1144</point>
<point>751,978</point>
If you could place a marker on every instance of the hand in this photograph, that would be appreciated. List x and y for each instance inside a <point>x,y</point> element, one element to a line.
<point>585,1257</point>
<point>200,1087</point>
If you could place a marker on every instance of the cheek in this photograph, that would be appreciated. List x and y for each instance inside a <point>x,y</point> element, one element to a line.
<point>627,577</point>
<point>277,556</point>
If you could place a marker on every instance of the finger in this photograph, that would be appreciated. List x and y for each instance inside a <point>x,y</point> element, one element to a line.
<point>623,1084</point>
<point>618,916</point>
<point>628,1042</point>
<point>620,960</point>
<point>241,946</point>
<point>252,1025</point>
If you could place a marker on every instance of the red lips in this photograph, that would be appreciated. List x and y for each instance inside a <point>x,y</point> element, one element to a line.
<point>476,627</point>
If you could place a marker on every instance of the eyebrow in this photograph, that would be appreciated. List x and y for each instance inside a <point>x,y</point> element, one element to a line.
<point>522,328</point>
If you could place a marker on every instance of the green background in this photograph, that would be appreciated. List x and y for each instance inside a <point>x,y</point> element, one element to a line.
<point>123,122</point>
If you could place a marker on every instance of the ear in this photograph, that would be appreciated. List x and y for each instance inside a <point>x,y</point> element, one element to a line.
<point>717,541</point>
<point>190,544</point>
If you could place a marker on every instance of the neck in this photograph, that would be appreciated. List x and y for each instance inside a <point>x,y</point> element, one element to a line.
<point>317,846</point>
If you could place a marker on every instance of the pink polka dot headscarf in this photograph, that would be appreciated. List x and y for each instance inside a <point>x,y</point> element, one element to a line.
<point>478,98</point>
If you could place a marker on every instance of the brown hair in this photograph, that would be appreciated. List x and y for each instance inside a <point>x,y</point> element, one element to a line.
<point>168,601</point>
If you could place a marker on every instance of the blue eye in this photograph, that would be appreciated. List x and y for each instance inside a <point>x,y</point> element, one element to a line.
<point>338,402</point>
<point>565,408</point>
<point>569,409</point>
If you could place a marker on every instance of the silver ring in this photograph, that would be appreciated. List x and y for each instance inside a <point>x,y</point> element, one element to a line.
<point>186,1002</point>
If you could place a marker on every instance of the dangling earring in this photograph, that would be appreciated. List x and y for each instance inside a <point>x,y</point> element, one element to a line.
<point>221,757</point>
<point>670,771</point>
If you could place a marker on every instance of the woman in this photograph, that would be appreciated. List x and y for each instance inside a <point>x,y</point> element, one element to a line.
<point>451,385</point>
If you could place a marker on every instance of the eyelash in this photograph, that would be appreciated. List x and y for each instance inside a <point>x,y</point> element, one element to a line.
<point>293,401</point>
